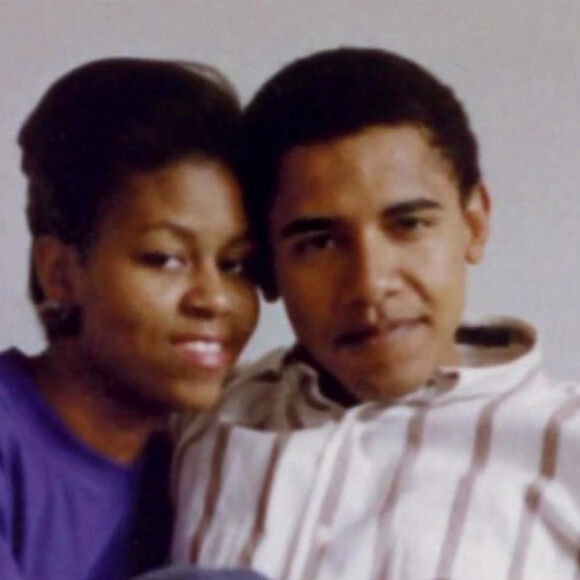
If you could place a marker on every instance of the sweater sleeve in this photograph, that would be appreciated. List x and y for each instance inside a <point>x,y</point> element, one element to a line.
<point>9,569</point>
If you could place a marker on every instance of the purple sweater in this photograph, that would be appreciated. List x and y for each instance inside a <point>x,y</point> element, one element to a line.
<point>65,510</point>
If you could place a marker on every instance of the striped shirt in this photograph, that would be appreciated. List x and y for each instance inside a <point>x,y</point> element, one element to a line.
<point>474,476</point>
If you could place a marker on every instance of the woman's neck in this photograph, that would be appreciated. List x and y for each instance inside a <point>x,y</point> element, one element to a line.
<point>77,396</point>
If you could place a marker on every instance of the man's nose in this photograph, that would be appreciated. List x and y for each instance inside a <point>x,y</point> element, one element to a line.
<point>371,273</point>
<point>206,294</point>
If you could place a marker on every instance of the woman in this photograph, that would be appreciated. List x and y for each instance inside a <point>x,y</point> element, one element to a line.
<point>139,276</point>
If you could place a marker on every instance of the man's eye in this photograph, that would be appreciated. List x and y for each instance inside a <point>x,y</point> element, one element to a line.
<point>163,260</point>
<point>410,224</point>
<point>315,243</point>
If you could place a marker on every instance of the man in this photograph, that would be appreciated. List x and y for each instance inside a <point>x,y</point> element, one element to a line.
<point>391,442</point>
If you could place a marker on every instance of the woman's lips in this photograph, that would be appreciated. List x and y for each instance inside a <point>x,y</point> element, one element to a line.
<point>206,352</point>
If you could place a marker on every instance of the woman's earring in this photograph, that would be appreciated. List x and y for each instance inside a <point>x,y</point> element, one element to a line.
<point>50,307</point>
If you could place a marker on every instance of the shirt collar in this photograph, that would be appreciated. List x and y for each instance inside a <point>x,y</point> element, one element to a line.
<point>491,349</point>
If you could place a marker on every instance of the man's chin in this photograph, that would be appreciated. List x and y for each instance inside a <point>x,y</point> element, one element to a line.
<point>386,386</point>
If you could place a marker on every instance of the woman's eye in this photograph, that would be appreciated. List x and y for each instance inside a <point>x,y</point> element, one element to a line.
<point>235,266</point>
<point>163,260</point>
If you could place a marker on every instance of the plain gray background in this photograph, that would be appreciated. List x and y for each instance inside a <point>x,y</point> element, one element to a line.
<point>516,65</point>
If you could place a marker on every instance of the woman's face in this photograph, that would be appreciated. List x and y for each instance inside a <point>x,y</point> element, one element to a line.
<point>165,299</point>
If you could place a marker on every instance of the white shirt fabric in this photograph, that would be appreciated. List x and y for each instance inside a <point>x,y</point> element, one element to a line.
<point>475,476</point>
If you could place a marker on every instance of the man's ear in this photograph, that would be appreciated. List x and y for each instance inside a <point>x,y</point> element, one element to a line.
<point>55,264</point>
<point>476,211</point>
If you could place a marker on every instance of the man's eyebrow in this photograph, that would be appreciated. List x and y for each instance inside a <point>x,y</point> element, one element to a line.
<point>320,224</point>
<point>306,226</point>
<point>408,207</point>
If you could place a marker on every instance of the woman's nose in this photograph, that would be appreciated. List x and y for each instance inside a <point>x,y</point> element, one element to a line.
<point>206,294</point>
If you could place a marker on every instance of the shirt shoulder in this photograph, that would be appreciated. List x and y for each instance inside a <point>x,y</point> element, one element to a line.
<point>267,373</point>
<point>251,392</point>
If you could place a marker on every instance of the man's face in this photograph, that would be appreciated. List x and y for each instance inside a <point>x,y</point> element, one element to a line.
<point>371,243</point>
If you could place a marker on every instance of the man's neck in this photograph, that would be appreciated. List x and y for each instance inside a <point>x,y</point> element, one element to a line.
<point>329,386</point>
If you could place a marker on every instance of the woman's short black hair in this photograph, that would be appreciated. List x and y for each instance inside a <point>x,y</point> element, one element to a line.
<point>338,92</point>
<point>107,120</point>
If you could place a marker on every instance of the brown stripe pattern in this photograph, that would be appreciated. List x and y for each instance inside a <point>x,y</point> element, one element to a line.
<point>413,444</point>
<point>479,459</point>
<point>212,492</point>
<point>533,495</point>
<point>336,484</point>
<point>258,527</point>
<point>412,491</point>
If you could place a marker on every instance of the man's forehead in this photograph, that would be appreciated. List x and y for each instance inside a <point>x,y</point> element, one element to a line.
<point>423,130</point>
<point>395,164</point>
<point>378,143</point>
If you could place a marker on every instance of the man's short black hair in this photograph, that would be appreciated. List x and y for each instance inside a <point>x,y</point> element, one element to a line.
<point>336,93</point>
<point>107,120</point>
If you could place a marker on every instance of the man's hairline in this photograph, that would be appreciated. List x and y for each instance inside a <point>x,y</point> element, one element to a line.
<point>464,196</point>
<point>424,129</point>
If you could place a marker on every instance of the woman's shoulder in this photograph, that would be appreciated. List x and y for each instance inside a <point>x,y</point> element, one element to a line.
<point>20,402</point>
<point>13,387</point>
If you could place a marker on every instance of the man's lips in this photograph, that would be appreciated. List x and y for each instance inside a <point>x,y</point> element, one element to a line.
<point>383,332</point>
<point>204,350</point>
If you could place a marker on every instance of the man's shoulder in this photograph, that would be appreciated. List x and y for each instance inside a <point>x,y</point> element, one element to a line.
<point>262,384</point>
<point>267,371</point>
<point>252,394</point>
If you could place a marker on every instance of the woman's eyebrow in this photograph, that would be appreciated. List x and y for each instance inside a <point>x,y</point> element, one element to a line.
<point>241,239</point>
<point>170,226</point>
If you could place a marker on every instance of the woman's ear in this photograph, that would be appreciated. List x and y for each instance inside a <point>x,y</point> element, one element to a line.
<point>55,264</point>
<point>477,215</point>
